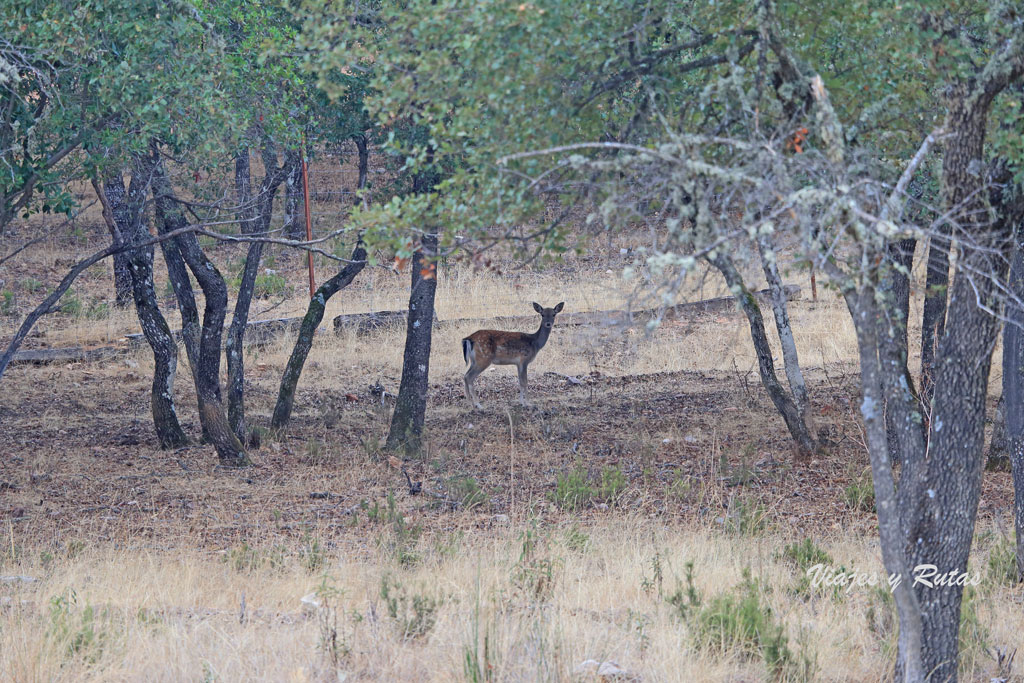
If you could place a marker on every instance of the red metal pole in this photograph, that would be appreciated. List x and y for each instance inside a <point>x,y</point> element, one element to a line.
<point>309,225</point>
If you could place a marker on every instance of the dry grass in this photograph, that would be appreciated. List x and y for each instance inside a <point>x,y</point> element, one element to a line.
<point>593,592</point>
<point>145,559</point>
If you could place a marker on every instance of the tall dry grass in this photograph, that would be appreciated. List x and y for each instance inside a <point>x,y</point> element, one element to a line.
<point>523,603</point>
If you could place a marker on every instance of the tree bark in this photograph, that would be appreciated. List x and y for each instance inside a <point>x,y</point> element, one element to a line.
<point>790,358</point>
<point>314,316</point>
<point>893,349</point>
<point>124,211</point>
<point>933,317</point>
<point>406,431</point>
<point>259,222</point>
<point>943,526</point>
<point>1013,395</point>
<point>786,406</point>
<point>207,371</point>
<point>364,165</point>
<point>294,208</point>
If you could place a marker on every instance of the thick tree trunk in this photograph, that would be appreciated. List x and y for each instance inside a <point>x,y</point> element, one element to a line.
<point>410,407</point>
<point>943,525</point>
<point>1013,396</point>
<point>910,644</point>
<point>786,406</point>
<point>113,200</point>
<point>314,316</point>
<point>127,216</point>
<point>893,349</point>
<point>1013,388</point>
<point>259,222</point>
<point>207,371</point>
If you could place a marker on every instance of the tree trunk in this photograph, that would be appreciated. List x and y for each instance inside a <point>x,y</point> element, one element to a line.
<point>259,223</point>
<point>364,165</point>
<point>805,444</point>
<point>127,218</point>
<point>933,317</point>
<point>789,355</point>
<point>314,316</point>
<point>410,407</point>
<point>910,645</point>
<point>943,526</point>
<point>893,349</point>
<point>1013,395</point>
<point>207,371</point>
<point>294,208</point>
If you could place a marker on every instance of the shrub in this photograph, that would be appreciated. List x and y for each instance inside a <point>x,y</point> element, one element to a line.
<point>738,622</point>
<point>860,493</point>
<point>467,492</point>
<point>414,615</point>
<point>572,490</point>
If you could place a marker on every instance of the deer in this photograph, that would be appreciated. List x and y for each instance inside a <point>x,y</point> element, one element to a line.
<point>484,348</point>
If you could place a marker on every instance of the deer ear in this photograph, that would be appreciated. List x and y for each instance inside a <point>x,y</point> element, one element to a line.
<point>558,308</point>
<point>537,307</point>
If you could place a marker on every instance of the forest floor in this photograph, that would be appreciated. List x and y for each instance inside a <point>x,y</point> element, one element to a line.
<point>534,538</point>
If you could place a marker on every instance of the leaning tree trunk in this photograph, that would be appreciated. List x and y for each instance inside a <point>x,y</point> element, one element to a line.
<point>310,322</point>
<point>259,222</point>
<point>207,371</point>
<point>406,431</point>
<point>790,358</point>
<point>125,216</point>
<point>786,406</point>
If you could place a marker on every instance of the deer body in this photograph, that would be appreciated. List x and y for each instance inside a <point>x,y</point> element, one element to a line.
<point>484,348</point>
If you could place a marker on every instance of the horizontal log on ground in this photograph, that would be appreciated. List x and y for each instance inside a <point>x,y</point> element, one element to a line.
<point>259,332</point>
<point>367,322</point>
<point>67,355</point>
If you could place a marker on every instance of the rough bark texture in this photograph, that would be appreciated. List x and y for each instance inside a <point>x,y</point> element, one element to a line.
<point>207,370</point>
<point>126,213</point>
<point>1013,395</point>
<point>943,526</point>
<point>933,319</point>
<point>364,164</point>
<point>410,407</point>
<point>294,209</point>
<point>783,402</point>
<point>863,308</point>
<point>893,349</point>
<point>258,221</point>
<point>314,316</point>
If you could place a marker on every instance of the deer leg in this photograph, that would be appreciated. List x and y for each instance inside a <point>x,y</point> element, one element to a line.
<point>522,383</point>
<point>471,376</point>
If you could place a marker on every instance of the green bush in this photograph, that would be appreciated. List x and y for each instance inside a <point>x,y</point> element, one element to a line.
<point>6,302</point>
<point>738,622</point>
<point>268,285</point>
<point>860,493</point>
<point>572,490</point>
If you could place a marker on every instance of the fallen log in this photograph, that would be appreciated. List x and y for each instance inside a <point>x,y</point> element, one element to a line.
<point>71,354</point>
<point>259,332</point>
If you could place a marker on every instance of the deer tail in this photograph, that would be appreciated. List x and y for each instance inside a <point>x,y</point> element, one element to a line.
<point>467,349</point>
